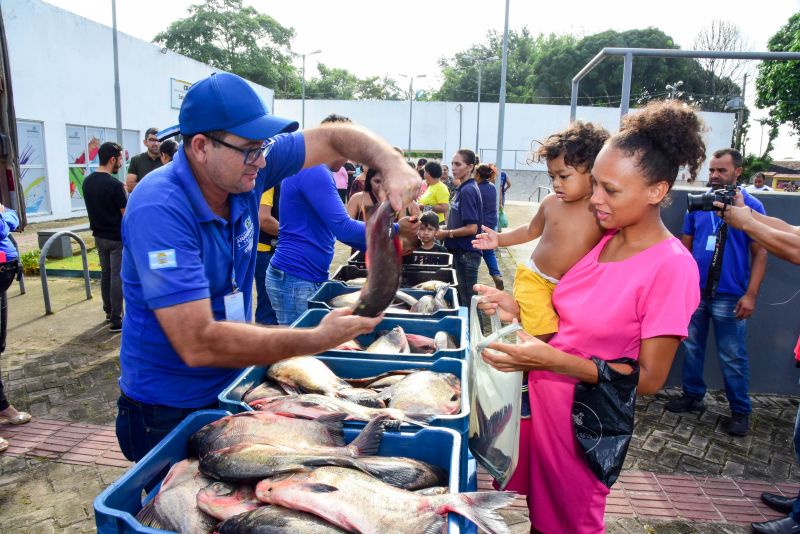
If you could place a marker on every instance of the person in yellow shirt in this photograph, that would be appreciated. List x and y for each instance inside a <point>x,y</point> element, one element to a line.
<point>267,241</point>
<point>436,196</point>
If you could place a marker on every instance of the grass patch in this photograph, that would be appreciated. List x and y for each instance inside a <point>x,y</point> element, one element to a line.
<point>75,263</point>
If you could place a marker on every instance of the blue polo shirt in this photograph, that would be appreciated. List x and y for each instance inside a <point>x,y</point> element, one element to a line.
<point>9,221</point>
<point>312,219</point>
<point>466,208</point>
<point>735,275</point>
<point>489,199</point>
<point>176,250</point>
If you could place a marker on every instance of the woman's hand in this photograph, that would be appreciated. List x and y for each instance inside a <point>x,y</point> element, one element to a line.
<point>495,301</point>
<point>529,354</point>
<point>487,240</point>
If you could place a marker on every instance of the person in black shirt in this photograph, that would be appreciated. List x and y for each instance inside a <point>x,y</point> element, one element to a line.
<point>105,203</point>
<point>146,162</point>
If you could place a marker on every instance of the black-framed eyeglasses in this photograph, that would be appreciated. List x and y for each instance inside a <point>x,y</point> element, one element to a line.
<point>250,154</point>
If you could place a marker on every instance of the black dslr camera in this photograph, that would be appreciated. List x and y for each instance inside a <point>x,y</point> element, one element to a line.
<point>705,201</point>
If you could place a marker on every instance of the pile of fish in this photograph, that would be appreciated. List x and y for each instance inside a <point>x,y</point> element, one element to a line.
<point>304,387</point>
<point>402,301</point>
<point>267,472</point>
<point>397,341</point>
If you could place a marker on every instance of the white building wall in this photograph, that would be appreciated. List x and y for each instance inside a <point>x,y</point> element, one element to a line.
<point>62,70</point>
<point>435,125</point>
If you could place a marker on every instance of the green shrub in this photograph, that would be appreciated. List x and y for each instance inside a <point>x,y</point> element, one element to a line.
<point>30,262</point>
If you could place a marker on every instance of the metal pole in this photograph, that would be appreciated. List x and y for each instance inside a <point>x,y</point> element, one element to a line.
<point>502,109</point>
<point>303,116</point>
<point>478,120</point>
<point>573,101</point>
<point>117,98</point>
<point>626,86</point>
<point>460,110</point>
<point>410,111</point>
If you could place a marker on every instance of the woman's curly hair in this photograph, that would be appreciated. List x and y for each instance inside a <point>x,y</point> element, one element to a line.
<point>579,144</point>
<point>664,135</point>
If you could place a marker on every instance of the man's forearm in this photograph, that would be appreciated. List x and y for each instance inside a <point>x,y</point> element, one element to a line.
<point>757,270</point>
<point>330,143</point>
<point>229,344</point>
<point>783,243</point>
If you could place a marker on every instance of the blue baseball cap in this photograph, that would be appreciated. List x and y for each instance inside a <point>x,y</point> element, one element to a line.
<point>225,101</point>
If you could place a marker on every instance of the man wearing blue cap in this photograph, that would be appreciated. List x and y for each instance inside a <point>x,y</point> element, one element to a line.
<point>189,236</point>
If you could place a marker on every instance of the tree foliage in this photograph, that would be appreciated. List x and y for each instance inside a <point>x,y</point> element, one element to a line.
<point>228,35</point>
<point>778,83</point>
<point>341,84</point>
<point>540,71</point>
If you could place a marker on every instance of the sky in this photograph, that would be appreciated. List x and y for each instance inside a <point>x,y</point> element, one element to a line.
<point>377,38</point>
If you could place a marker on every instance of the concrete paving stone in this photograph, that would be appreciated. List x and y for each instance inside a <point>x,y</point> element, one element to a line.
<point>698,442</point>
<point>700,515</point>
<point>733,469</point>
<point>685,450</point>
<point>70,509</point>
<point>18,521</point>
<point>654,444</point>
<point>44,527</point>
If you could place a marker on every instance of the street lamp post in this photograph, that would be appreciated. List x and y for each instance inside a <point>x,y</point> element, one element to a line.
<point>411,103</point>
<point>303,114</point>
<point>479,64</point>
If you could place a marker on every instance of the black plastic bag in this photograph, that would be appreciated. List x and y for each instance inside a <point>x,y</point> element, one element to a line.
<point>602,418</point>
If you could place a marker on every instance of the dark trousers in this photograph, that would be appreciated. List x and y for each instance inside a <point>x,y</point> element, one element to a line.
<point>140,426</point>
<point>466,264</point>
<point>8,271</point>
<point>110,253</point>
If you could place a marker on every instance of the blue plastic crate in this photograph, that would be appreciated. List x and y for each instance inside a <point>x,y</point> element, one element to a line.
<point>408,278</point>
<point>115,508</point>
<point>329,290</point>
<point>231,397</point>
<point>455,326</point>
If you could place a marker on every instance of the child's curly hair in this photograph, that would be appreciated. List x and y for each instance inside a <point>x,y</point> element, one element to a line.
<point>579,144</point>
<point>664,136</point>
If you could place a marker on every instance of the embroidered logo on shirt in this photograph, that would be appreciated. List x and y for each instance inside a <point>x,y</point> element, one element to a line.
<point>245,240</point>
<point>162,259</point>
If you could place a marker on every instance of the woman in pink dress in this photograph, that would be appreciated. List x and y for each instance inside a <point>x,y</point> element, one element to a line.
<point>631,296</point>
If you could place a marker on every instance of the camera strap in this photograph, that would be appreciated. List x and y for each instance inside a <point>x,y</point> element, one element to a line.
<point>715,268</point>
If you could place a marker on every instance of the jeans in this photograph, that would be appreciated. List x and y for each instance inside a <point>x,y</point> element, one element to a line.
<point>140,426</point>
<point>289,294</point>
<point>264,312</point>
<point>110,253</point>
<point>730,334</point>
<point>490,258</point>
<point>466,264</point>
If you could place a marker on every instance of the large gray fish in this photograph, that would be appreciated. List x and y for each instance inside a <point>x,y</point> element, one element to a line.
<point>360,503</point>
<point>345,300</point>
<point>431,285</point>
<point>426,392</point>
<point>430,304</point>
<point>311,406</point>
<point>174,506</point>
<point>271,519</point>
<point>368,381</point>
<point>384,263</point>
<point>249,462</point>
<point>393,342</point>
<point>266,390</point>
<point>306,374</point>
<point>269,429</point>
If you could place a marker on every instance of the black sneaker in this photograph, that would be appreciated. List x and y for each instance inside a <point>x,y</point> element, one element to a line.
<point>739,425</point>
<point>685,403</point>
<point>115,327</point>
<point>498,282</point>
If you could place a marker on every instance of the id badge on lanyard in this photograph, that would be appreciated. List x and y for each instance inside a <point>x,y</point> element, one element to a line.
<point>234,301</point>
<point>711,242</point>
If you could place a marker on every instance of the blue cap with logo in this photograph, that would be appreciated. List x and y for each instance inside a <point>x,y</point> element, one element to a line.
<point>225,101</point>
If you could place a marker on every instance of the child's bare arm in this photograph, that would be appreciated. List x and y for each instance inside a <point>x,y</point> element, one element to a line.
<point>525,233</point>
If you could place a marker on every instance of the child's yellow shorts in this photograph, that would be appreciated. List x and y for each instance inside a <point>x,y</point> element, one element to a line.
<point>534,293</point>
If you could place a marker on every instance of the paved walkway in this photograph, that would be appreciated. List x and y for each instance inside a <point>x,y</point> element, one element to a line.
<point>683,473</point>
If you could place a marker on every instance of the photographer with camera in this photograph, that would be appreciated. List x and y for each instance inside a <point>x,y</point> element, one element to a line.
<point>782,240</point>
<point>731,268</point>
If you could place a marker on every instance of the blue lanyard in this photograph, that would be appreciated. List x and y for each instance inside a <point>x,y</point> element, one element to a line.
<point>221,241</point>
<point>714,223</point>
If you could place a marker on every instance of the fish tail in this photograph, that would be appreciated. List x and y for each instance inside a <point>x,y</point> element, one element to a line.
<point>481,507</point>
<point>369,440</point>
<point>437,526</point>
<point>148,516</point>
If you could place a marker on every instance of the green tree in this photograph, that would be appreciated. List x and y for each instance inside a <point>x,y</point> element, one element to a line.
<point>778,82</point>
<point>228,35</point>
<point>341,84</point>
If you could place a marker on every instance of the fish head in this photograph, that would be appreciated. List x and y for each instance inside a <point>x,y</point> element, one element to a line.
<point>286,486</point>
<point>425,305</point>
<point>222,500</point>
<point>397,336</point>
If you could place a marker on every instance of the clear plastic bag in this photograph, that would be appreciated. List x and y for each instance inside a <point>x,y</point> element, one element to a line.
<point>494,402</point>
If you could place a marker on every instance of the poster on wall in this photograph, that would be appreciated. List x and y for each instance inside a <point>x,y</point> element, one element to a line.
<point>32,173</point>
<point>76,145</point>
<point>76,176</point>
<point>95,137</point>
<point>178,90</point>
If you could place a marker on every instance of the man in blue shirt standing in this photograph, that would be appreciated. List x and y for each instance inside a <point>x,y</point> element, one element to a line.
<point>743,265</point>
<point>189,248</point>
